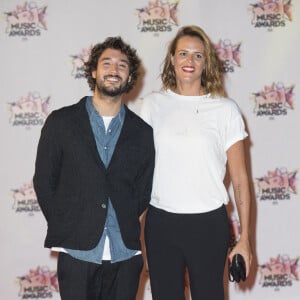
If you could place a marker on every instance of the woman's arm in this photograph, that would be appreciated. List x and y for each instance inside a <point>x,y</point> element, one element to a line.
<point>240,182</point>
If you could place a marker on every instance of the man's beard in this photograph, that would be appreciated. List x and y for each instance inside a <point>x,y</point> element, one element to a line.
<point>111,91</point>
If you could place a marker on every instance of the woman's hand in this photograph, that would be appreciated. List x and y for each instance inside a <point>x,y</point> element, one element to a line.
<point>243,247</point>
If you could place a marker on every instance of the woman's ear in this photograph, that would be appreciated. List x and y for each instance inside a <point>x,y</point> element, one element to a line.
<point>172,60</point>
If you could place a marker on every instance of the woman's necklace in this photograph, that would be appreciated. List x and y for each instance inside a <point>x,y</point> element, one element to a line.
<point>202,92</point>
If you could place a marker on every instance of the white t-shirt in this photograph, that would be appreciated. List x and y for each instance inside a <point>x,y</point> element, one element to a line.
<point>191,135</point>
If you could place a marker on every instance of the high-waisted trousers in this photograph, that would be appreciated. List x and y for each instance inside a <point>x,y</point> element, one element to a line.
<point>197,243</point>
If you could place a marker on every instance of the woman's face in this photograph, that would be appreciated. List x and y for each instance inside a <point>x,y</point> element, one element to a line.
<point>189,60</point>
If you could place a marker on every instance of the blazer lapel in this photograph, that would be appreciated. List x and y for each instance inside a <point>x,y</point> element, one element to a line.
<point>83,128</point>
<point>125,134</point>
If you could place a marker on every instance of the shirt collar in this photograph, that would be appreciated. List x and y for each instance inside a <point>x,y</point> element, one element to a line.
<point>92,112</point>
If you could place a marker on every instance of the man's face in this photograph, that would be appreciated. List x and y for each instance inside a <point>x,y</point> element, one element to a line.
<point>112,74</point>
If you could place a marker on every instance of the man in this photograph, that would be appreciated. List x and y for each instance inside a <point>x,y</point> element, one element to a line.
<point>93,181</point>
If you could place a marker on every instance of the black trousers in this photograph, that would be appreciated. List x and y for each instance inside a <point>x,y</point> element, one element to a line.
<point>80,280</point>
<point>196,242</point>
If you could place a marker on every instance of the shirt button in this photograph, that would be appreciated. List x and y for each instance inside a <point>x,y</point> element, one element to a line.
<point>103,205</point>
<point>105,147</point>
<point>109,130</point>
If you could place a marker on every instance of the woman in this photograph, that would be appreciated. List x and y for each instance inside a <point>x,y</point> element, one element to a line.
<point>197,131</point>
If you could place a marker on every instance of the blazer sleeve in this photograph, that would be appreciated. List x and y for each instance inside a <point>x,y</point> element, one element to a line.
<point>145,176</point>
<point>47,165</point>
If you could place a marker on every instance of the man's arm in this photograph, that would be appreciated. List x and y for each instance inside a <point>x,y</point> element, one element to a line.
<point>47,165</point>
<point>145,177</point>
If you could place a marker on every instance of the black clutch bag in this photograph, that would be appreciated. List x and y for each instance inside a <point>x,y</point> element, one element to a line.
<point>237,269</point>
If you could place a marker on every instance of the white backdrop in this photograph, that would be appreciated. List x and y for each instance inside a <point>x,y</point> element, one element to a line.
<point>42,47</point>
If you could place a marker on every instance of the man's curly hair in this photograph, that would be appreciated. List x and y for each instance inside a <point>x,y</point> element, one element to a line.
<point>118,44</point>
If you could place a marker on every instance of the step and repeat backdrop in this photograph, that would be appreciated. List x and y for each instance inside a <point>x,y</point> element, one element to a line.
<point>43,46</point>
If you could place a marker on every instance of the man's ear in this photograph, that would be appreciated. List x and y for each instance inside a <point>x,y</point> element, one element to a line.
<point>94,74</point>
<point>129,78</point>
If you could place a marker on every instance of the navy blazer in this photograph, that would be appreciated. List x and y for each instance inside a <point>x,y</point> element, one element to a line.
<point>73,186</point>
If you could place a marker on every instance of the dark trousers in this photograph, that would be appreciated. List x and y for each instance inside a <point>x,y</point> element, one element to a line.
<point>80,280</point>
<point>196,242</point>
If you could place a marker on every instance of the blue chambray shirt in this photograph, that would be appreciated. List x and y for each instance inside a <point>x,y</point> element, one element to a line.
<point>106,142</point>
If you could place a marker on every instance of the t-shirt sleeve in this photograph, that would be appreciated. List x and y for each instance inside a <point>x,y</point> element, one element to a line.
<point>235,128</point>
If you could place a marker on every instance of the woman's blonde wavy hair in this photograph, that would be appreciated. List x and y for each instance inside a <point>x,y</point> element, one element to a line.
<point>212,78</point>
